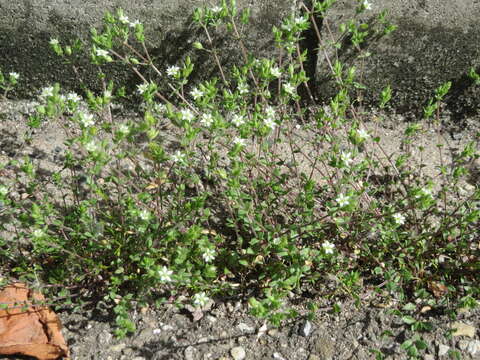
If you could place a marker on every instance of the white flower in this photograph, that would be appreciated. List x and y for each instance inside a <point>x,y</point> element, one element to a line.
<point>142,88</point>
<point>101,53</point>
<point>123,129</point>
<point>134,23</point>
<point>289,88</point>
<point>346,158</point>
<point>123,19</point>
<point>399,219</point>
<point>200,299</point>
<point>165,274</point>
<point>328,247</point>
<point>86,119</point>
<point>54,42</point>
<point>208,255</point>
<point>187,114</point>
<point>342,200</point>
<point>270,112</point>
<point>207,119</point>
<point>91,146</point>
<point>178,157</point>
<point>159,108</point>
<point>38,233</point>
<point>238,120</point>
<point>239,141</point>
<point>14,75</point>
<point>300,20</point>
<point>173,70</point>
<point>144,215</point>
<point>424,192</point>
<point>269,122</point>
<point>73,97</point>
<point>363,134</point>
<point>46,92</point>
<point>275,71</point>
<point>216,9</point>
<point>196,93</point>
<point>243,88</point>
<point>367,5</point>
<point>3,190</point>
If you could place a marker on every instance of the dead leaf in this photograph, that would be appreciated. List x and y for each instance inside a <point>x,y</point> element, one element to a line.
<point>437,288</point>
<point>425,309</point>
<point>462,329</point>
<point>30,330</point>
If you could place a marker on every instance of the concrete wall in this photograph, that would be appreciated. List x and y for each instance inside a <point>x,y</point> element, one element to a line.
<point>436,41</point>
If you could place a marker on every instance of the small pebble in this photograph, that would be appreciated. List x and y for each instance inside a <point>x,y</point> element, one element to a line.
<point>305,329</point>
<point>189,352</point>
<point>462,344</point>
<point>443,349</point>
<point>272,332</point>
<point>238,353</point>
<point>473,347</point>
<point>244,327</point>
<point>117,348</point>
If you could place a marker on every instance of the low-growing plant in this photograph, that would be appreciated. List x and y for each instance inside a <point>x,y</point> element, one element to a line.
<point>229,187</point>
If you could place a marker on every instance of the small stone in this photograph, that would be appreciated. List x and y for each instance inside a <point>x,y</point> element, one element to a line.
<point>443,349</point>
<point>189,353</point>
<point>211,319</point>
<point>144,336</point>
<point>138,358</point>
<point>117,348</point>
<point>272,332</point>
<point>463,329</point>
<point>462,344</point>
<point>325,347</point>
<point>313,357</point>
<point>105,337</point>
<point>238,353</point>
<point>473,347</point>
<point>305,329</point>
<point>242,339</point>
<point>244,327</point>
<point>278,356</point>
<point>428,357</point>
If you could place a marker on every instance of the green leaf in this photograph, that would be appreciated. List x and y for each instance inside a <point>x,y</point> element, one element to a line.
<point>409,320</point>
<point>244,262</point>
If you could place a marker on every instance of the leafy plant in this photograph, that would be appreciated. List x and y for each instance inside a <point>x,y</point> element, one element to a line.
<point>247,193</point>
